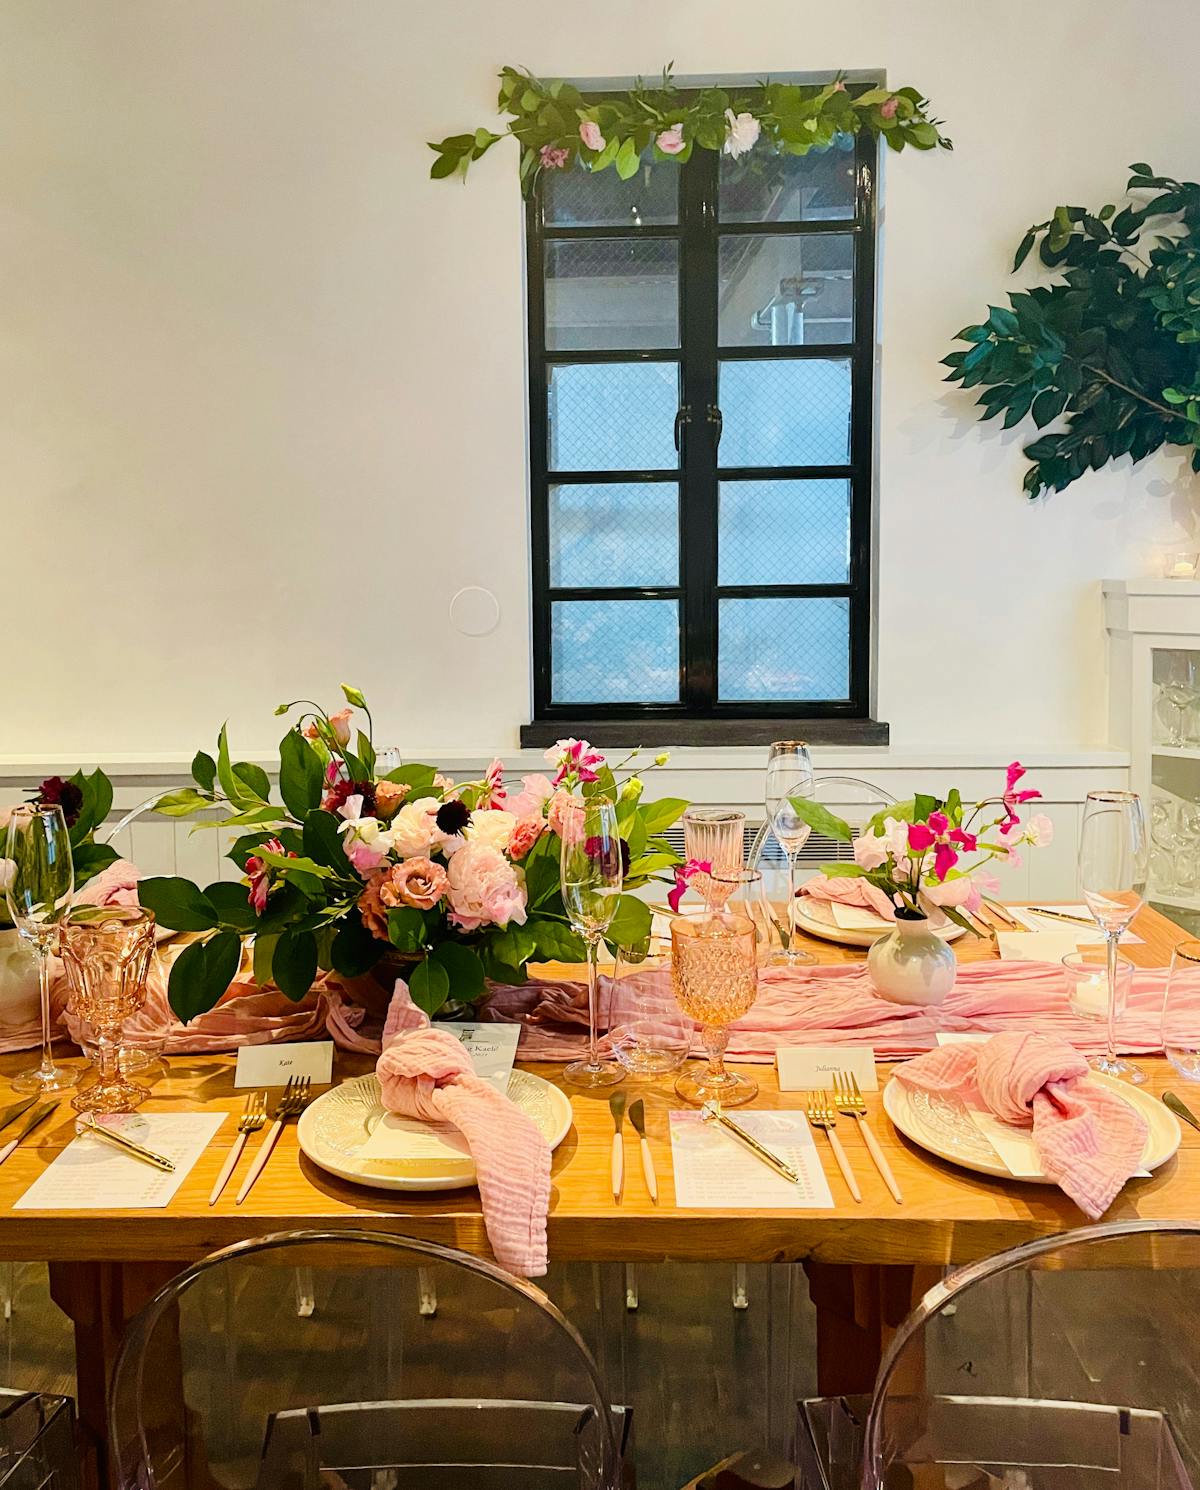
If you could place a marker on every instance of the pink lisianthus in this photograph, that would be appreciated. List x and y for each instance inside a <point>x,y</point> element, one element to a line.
<point>670,141</point>
<point>683,874</point>
<point>525,835</point>
<point>418,882</point>
<point>531,800</point>
<point>259,874</point>
<point>339,723</point>
<point>493,785</point>
<point>1013,798</point>
<point>553,157</point>
<point>1039,831</point>
<point>589,133</point>
<point>575,759</point>
<point>485,889</point>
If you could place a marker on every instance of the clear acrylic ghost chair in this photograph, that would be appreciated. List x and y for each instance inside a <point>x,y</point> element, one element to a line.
<point>1067,1363</point>
<point>37,1442</point>
<point>219,1383</point>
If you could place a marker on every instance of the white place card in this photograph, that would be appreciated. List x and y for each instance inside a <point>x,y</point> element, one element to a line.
<point>1015,1147</point>
<point>492,1047</point>
<point>858,918</point>
<point>1076,931</point>
<point>812,1068</point>
<point>91,1175</point>
<point>715,1171</point>
<point>275,1065</point>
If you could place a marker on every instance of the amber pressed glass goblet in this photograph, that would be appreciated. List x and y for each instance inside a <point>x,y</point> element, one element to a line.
<point>714,971</point>
<point>106,953</point>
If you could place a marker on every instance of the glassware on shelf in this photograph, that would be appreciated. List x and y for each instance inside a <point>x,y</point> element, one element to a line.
<point>1181,1011</point>
<point>106,952</point>
<point>591,875</point>
<point>716,836</point>
<point>714,972</point>
<point>789,774</point>
<point>1177,691</point>
<point>1114,854</point>
<point>39,883</point>
<point>1087,982</point>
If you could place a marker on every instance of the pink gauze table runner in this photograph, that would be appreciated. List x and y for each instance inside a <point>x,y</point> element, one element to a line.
<point>836,1005</point>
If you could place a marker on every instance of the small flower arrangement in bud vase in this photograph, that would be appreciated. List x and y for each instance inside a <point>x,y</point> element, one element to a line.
<point>458,881</point>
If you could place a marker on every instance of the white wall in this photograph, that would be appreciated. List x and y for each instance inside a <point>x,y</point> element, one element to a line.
<point>261,382</point>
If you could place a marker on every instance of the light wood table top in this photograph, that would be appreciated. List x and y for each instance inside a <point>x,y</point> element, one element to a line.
<point>948,1215</point>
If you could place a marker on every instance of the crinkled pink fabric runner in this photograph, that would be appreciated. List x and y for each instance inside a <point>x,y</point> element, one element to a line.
<point>836,1005</point>
<point>1088,1139</point>
<point>425,1073</point>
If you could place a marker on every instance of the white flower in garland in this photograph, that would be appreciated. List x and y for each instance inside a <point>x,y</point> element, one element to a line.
<point>742,133</point>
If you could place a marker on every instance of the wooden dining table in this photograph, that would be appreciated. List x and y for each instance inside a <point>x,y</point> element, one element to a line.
<point>864,1260</point>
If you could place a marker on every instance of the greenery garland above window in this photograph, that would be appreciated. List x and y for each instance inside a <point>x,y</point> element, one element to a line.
<point>558,125</point>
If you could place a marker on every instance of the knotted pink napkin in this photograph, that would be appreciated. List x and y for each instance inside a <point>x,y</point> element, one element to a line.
<point>425,1073</point>
<point>862,893</point>
<point>1088,1139</point>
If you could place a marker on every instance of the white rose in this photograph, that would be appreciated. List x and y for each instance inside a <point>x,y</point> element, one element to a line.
<point>741,134</point>
<point>490,826</point>
<point>414,828</point>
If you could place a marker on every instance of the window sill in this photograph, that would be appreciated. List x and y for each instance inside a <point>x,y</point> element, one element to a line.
<point>654,730</point>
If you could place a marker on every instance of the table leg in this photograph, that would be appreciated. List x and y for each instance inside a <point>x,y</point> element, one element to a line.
<point>859,1309</point>
<point>100,1298</point>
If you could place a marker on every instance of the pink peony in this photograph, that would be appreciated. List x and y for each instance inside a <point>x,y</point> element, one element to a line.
<point>485,889</point>
<point>671,141</point>
<point>531,800</point>
<point>589,133</point>
<point>889,106</point>
<point>525,835</point>
<point>553,157</point>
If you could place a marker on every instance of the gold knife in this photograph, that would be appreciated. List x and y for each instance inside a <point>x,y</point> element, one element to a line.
<point>38,1115</point>
<point>1181,1109</point>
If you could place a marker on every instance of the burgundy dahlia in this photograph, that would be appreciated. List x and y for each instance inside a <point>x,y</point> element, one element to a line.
<point>56,791</point>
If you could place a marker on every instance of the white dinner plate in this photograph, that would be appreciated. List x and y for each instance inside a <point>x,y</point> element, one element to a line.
<point>808,919</point>
<point>333,1129</point>
<point>942,1125</point>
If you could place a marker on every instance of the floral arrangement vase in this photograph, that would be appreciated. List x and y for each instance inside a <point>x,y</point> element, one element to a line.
<point>912,964</point>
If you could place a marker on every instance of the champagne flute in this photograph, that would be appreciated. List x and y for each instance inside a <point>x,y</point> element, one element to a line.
<point>1114,852</point>
<point>591,875</point>
<point>39,881</point>
<point>789,774</point>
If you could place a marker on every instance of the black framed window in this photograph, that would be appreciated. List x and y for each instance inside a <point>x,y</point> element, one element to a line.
<point>700,362</point>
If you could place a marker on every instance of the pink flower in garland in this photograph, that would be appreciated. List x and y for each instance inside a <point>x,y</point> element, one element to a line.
<point>937,834</point>
<point>671,141</point>
<point>493,785</point>
<point>888,107</point>
<point>259,874</point>
<point>1013,798</point>
<point>589,133</point>
<point>683,874</point>
<point>553,157</point>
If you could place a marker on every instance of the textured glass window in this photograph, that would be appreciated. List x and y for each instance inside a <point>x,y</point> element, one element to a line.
<point>613,416</point>
<point>614,535</point>
<point>793,648</point>
<point>579,199</point>
<point>790,413</point>
<point>620,293</point>
<point>614,651</point>
<point>817,187</point>
<point>784,533</point>
<point>786,290</point>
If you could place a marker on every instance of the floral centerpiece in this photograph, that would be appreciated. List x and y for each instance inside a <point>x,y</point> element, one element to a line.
<point>460,880</point>
<point>928,856</point>
<point>86,801</point>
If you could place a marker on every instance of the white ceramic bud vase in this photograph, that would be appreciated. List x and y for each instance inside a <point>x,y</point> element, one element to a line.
<point>911,964</point>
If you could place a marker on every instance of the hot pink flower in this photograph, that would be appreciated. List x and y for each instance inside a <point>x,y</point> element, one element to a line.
<point>485,889</point>
<point>1013,798</point>
<point>493,783</point>
<point>531,800</point>
<point>259,875</point>
<point>889,106</point>
<point>589,133</point>
<point>553,157</point>
<point>937,834</point>
<point>575,759</point>
<point>671,141</point>
<point>683,873</point>
<point>525,835</point>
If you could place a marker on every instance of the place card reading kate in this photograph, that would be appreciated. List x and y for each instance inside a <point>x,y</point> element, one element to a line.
<point>714,1171</point>
<point>812,1068</point>
<point>91,1175</point>
<point>492,1047</point>
<point>275,1065</point>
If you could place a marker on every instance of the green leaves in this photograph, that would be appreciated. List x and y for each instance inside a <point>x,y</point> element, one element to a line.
<point>821,820</point>
<point>656,817</point>
<point>294,963</point>
<point>429,986</point>
<point>406,928</point>
<point>183,802</point>
<point>202,972</point>
<point>204,771</point>
<point>631,923</point>
<point>178,904</point>
<point>300,774</point>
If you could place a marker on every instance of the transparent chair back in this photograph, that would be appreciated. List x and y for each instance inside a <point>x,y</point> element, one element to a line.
<point>1068,1363</point>
<point>220,1383</point>
<point>854,801</point>
<point>37,1442</point>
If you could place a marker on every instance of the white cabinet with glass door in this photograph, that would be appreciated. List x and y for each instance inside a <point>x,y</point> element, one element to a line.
<point>1154,709</point>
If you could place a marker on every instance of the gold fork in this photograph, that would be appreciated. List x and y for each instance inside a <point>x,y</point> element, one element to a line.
<point>292,1103</point>
<point>821,1115</point>
<point>848,1099</point>
<point>254,1115</point>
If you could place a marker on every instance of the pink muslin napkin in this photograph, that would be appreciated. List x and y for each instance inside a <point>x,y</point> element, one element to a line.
<point>1088,1139</point>
<point>862,893</point>
<point>425,1073</point>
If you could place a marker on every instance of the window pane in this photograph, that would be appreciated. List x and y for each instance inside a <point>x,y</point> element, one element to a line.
<point>793,413</point>
<point>784,533</point>
<point>613,416</point>
<point>783,290</point>
<point>577,198</point>
<point>817,187</point>
<point>615,534</point>
<point>612,293</point>
<point>795,650</point>
<point>614,651</point>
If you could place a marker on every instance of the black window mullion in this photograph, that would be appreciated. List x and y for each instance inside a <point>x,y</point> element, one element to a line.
<point>698,483</point>
<point>862,422</point>
<point>539,454</point>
